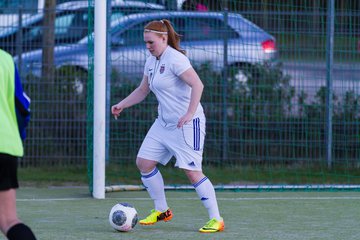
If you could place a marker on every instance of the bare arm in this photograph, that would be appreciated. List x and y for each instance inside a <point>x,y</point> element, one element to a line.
<point>137,96</point>
<point>193,80</point>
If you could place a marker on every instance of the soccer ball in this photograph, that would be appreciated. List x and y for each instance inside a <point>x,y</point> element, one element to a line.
<point>123,217</point>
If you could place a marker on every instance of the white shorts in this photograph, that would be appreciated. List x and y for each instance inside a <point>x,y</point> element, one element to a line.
<point>186,144</point>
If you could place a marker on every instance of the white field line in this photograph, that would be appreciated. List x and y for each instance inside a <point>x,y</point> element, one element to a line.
<point>191,199</point>
<point>118,188</point>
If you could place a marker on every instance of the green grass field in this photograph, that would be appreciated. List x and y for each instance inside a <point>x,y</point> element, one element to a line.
<point>70,213</point>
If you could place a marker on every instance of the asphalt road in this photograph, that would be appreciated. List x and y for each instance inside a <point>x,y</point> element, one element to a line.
<point>310,76</point>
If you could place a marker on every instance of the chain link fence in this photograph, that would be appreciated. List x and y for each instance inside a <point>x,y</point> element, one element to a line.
<point>272,114</point>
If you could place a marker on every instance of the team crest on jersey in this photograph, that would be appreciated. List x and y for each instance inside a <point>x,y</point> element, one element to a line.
<point>162,68</point>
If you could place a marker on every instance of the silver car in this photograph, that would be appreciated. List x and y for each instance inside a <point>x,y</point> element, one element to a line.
<point>204,35</point>
<point>70,26</point>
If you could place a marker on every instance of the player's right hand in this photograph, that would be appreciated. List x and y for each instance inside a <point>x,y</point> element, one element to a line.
<point>116,110</point>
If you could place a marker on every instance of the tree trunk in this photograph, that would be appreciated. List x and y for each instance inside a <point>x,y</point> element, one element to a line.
<point>48,41</point>
<point>264,4</point>
<point>48,88</point>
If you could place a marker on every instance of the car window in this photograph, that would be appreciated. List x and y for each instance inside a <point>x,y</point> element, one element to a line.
<point>129,10</point>
<point>200,29</point>
<point>116,15</point>
<point>134,35</point>
<point>178,24</point>
<point>191,29</point>
<point>32,35</point>
<point>71,26</point>
<point>63,23</point>
<point>12,6</point>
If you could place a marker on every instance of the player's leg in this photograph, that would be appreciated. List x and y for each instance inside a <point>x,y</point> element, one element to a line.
<point>8,184</point>
<point>152,152</point>
<point>153,181</point>
<point>154,184</point>
<point>206,192</point>
<point>188,153</point>
<point>10,225</point>
<point>187,143</point>
<point>8,216</point>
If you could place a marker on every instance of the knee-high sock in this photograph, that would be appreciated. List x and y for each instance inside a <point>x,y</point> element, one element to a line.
<point>206,193</point>
<point>20,232</point>
<point>154,184</point>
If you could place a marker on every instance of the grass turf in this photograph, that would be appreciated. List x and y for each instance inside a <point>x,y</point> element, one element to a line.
<point>70,213</point>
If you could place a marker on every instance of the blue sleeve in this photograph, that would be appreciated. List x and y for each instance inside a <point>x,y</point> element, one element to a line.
<point>22,106</point>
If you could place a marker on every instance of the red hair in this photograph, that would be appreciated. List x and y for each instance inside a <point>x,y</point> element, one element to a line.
<point>164,26</point>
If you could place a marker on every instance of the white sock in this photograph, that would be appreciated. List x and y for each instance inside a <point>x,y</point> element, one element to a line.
<point>154,184</point>
<point>206,193</point>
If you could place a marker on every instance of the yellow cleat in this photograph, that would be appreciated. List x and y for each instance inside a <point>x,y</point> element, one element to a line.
<point>212,226</point>
<point>156,216</point>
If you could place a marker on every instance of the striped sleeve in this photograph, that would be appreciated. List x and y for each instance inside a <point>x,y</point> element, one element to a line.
<point>22,106</point>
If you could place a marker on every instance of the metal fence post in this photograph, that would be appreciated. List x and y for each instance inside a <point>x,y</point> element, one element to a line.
<point>108,81</point>
<point>19,38</point>
<point>224,92</point>
<point>329,78</point>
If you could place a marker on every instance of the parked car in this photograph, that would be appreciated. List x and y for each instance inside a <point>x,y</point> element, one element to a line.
<point>203,37</point>
<point>71,24</point>
<point>178,4</point>
<point>170,5</point>
<point>11,10</point>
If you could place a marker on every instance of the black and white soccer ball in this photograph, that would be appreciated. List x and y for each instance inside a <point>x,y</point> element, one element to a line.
<point>123,217</point>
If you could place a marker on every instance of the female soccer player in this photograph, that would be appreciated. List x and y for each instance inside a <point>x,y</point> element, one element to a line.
<point>179,129</point>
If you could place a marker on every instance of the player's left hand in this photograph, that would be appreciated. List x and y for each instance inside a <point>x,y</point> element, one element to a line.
<point>185,119</point>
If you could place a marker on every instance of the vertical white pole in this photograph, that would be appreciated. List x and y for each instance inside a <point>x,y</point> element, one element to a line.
<point>41,5</point>
<point>99,99</point>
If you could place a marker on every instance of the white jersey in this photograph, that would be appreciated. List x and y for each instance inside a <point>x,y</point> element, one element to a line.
<point>172,93</point>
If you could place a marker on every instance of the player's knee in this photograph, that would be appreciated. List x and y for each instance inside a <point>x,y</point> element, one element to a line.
<point>145,165</point>
<point>194,176</point>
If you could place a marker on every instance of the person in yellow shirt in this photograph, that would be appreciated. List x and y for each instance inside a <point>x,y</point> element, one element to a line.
<point>14,116</point>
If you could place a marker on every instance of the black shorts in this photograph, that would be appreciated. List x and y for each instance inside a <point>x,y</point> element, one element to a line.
<point>8,172</point>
